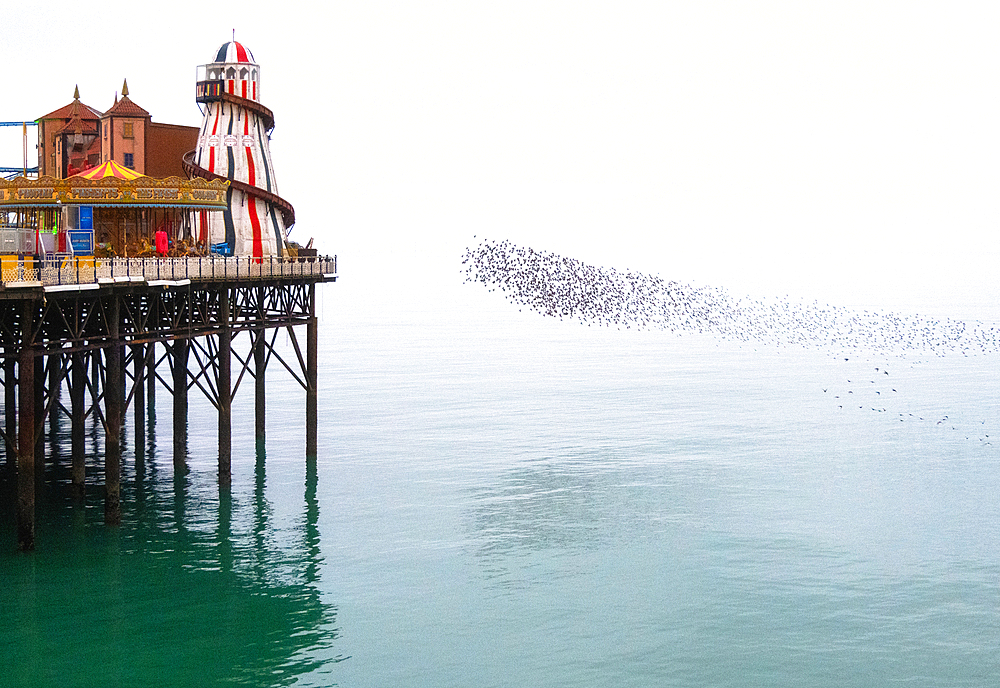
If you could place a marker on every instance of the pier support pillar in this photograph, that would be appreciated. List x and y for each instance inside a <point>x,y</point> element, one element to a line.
<point>139,400</point>
<point>312,376</point>
<point>151,377</point>
<point>56,363</point>
<point>113,406</point>
<point>123,383</point>
<point>259,361</point>
<point>180,347</point>
<point>10,408</point>
<point>77,395</point>
<point>26,435</point>
<point>39,397</point>
<point>225,392</point>
<point>260,388</point>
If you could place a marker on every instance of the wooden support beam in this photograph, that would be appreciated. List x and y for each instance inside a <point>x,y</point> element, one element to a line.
<point>77,397</point>
<point>151,379</point>
<point>139,402</point>
<point>123,381</point>
<point>39,414</point>
<point>55,391</point>
<point>114,399</point>
<point>260,365</point>
<point>151,396</point>
<point>26,435</point>
<point>312,375</point>
<point>224,387</point>
<point>10,408</point>
<point>180,351</point>
<point>95,386</point>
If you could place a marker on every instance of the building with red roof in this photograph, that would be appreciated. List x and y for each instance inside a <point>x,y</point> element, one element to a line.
<point>77,137</point>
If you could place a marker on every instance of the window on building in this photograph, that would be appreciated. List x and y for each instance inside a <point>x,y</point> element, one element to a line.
<point>129,161</point>
<point>127,130</point>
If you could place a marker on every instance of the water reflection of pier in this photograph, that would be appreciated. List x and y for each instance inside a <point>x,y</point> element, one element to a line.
<point>205,587</point>
<point>109,342</point>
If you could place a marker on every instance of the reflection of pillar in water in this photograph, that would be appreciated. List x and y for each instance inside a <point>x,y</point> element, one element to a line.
<point>313,556</point>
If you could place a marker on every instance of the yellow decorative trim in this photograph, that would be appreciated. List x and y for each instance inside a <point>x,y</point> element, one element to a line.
<point>172,191</point>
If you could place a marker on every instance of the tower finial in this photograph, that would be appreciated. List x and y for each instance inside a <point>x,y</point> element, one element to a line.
<point>124,88</point>
<point>76,92</point>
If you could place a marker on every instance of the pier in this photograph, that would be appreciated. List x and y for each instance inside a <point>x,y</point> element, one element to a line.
<point>104,330</point>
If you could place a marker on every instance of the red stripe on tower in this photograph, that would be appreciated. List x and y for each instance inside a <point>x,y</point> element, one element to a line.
<point>241,53</point>
<point>258,245</point>
<point>211,149</point>
<point>251,172</point>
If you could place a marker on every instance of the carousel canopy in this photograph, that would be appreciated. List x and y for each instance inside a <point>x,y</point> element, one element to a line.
<point>111,191</point>
<point>109,169</point>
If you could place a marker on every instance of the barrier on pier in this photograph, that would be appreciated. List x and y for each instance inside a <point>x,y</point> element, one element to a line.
<point>18,269</point>
<point>88,270</point>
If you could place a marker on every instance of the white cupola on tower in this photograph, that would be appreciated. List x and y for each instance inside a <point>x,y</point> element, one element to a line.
<point>234,71</point>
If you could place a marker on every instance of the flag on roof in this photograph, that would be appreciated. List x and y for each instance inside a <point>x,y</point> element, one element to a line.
<point>110,169</point>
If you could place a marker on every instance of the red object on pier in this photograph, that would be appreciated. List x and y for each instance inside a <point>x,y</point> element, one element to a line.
<point>162,244</point>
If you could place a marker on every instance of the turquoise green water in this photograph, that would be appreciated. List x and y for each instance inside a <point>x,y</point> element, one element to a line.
<point>192,589</point>
<point>536,503</point>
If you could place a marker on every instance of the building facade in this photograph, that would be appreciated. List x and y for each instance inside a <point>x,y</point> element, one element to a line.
<point>77,137</point>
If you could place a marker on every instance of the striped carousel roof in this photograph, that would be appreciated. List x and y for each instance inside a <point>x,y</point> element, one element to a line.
<point>110,169</point>
<point>234,52</point>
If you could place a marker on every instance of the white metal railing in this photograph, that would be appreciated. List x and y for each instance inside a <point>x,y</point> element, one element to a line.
<point>69,270</point>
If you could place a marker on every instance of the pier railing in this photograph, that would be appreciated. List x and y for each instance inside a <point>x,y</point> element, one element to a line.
<point>75,271</point>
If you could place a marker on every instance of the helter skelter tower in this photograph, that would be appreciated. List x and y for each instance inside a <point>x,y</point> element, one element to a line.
<point>233,145</point>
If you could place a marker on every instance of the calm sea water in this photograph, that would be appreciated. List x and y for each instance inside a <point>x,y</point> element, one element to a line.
<point>512,501</point>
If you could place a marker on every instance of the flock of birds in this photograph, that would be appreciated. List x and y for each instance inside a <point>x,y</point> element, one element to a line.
<point>566,288</point>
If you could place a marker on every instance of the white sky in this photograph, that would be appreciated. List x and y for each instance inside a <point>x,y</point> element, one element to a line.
<point>846,151</point>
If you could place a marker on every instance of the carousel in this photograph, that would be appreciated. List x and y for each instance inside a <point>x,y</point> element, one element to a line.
<point>107,212</point>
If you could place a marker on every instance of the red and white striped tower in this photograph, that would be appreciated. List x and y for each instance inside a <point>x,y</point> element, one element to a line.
<point>233,145</point>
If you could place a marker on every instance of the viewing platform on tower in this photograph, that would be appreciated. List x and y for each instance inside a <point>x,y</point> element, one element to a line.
<point>215,91</point>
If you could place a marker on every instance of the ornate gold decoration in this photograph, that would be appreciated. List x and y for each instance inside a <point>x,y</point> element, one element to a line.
<point>109,191</point>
